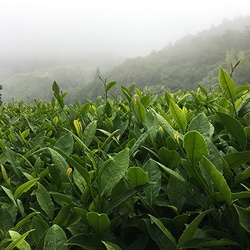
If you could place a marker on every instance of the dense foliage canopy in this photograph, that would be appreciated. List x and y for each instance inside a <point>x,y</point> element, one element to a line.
<point>145,171</point>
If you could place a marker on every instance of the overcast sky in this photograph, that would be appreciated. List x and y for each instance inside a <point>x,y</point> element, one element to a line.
<point>128,27</point>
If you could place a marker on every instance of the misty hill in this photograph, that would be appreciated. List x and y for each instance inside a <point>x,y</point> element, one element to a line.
<point>29,78</point>
<point>195,59</point>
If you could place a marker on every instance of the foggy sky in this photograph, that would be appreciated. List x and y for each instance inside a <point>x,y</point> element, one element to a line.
<point>36,28</point>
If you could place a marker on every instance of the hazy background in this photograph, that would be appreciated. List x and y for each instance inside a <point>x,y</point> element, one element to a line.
<point>130,28</point>
<point>68,41</point>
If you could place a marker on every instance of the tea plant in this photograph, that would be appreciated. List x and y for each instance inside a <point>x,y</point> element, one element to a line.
<point>145,171</point>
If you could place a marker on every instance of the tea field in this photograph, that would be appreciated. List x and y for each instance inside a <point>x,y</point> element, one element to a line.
<point>143,171</point>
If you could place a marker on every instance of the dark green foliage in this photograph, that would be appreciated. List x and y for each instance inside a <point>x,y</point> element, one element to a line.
<point>146,171</point>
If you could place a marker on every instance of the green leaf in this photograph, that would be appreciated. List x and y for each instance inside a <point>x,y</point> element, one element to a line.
<point>244,217</point>
<point>201,124</point>
<point>59,162</point>
<point>243,175</point>
<point>178,115</point>
<point>171,172</point>
<point>195,146</point>
<point>45,201</point>
<point>15,236</point>
<point>110,85</point>
<point>82,171</point>
<point>89,133</point>
<point>111,246</point>
<point>55,239</point>
<point>156,234</point>
<point>55,88</point>
<point>113,170</point>
<point>66,144</point>
<point>25,187</point>
<point>127,93</point>
<point>40,226</point>
<point>18,240</point>
<point>191,228</point>
<point>85,109</point>
<point>235,160</point>
<point>169,158</point>
<point>140,110</point>
<point>137,176</point>
<point>176,193</point>
<point>24,221</point>
<point>154,174</point>
<point>100,222</point>
<point>164,124</point>
<point>64,216</point>
<point>227,84</point>
<point>138,142</point>
<point>218,179</point>
<point>123,197</point>
<point>6,222</point>
<point>61,199</point>
<point>10,195</point>
<point>234,127</point>
<point>84,242</point>
<point>163,229</point>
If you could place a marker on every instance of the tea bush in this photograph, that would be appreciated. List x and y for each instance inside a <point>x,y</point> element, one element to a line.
<point>145,171</point>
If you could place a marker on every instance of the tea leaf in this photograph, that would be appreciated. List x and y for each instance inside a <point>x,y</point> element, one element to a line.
<point>195,146</point>
<point>55,88</point>
<point>171,172</point>
<point>123,197</point>
<point>89,133</point>
<point>163,229</point>
<point>24,221</point>
<point>218,179</point>
<point>176,193</point>
<point>201,124</point>
<point>165,124</point>
<point>191,228</point>
<point>84,242</point>
<point>227,84</point>
<point>110,85</point>
<point>158,236</point>
<point>82,171</point>
<point>140,110</point>
<point>111,246</point>
<point>21,243</point>
<point>66,144</point>
<point>244,216</point>
<point>113,170</point>
<point>137,176</point>
<point>154,174</point>
<point>6,221</point>
<point>234,128</point>
<point>59,162</point>
<point>45,201</point>
<point>235,160</point>
<point>25,187</point>
<point>178,115</point>
<point>243,175</point>
<point>100,222</point>
<point>55,239</point>
<point>127,93</point>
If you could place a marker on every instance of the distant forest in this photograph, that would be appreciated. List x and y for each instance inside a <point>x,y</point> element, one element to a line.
<point>193,60</point>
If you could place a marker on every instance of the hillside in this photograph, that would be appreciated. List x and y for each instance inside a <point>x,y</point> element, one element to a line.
<point>25,78</point>
<point>195,59</point>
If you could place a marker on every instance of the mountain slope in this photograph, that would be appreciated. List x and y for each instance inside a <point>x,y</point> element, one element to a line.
<point>190,61</point>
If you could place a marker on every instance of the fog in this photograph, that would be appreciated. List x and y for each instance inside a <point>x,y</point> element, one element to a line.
<point>71,29</point>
